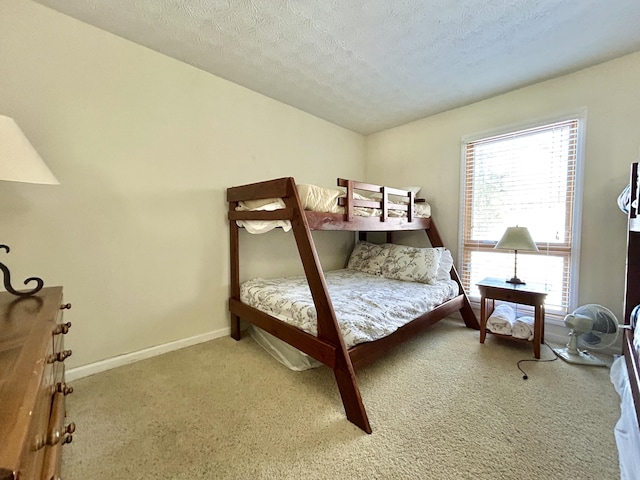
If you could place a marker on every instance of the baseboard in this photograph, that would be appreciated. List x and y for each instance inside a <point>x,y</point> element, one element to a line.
<point>120,360</point>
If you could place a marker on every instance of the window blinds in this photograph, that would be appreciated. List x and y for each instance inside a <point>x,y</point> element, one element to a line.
<point>524,178</point>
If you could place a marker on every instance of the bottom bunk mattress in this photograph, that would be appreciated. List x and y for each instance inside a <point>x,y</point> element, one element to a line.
<point>367,307</point>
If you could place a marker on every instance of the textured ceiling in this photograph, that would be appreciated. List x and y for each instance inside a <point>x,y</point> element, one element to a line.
<point>371,65</point>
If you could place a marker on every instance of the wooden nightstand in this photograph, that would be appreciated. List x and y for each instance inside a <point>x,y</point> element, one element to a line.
<point>533,294</point>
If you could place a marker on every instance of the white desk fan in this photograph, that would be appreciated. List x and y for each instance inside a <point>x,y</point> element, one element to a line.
<point>592,326</point>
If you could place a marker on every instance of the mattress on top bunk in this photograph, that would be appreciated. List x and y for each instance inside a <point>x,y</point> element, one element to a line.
<point>367,307</point>
<point>319,199</point>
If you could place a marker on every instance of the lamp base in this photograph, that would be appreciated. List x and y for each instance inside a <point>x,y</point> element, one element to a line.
<point>515,281</point>
<point>7,280</point>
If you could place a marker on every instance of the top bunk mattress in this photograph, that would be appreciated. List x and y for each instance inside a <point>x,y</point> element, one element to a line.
<point>325,200</point>
<point>367,307</point>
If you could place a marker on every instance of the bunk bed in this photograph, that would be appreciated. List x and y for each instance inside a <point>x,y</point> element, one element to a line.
<point>625,371</point>
<point>358,207</point>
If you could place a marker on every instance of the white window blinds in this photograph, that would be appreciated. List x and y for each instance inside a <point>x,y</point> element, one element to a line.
<point>524,178</point>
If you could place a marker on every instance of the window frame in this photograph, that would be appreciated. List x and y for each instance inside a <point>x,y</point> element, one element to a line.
<point>580,116</point>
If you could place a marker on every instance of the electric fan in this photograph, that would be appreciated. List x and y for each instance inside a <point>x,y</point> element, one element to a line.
<point>592,326</point>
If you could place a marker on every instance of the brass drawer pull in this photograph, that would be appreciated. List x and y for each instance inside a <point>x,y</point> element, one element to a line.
<point>63,328</point>
<point>63,388</point>
<point>66,306</point>
<point>56,438</point>
<point>59,357</point>
<point>63,436</point>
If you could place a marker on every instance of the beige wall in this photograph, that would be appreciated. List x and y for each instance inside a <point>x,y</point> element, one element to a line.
<point>144,147</point>
<point>428,152</point>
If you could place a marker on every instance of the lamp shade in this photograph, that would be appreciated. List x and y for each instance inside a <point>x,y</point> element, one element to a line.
<point>19,161</point>
<point>517,238</point>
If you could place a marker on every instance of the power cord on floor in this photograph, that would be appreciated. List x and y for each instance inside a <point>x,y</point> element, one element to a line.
<point>524,374</point>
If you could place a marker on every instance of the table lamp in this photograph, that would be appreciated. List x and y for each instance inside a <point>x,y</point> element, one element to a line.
<point>516,238</point>
<point>19,162</point>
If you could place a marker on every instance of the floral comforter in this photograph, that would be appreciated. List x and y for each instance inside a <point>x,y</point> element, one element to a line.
<point>367,307</point>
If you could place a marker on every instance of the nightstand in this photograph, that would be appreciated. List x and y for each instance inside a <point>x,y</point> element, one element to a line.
<point>533,294</point>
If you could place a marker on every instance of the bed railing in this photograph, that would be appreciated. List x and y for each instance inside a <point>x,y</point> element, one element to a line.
<point>349,202</point>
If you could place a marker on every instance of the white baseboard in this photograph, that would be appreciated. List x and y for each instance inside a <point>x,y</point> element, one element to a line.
<point>553,335</point>
<point>120,360</point>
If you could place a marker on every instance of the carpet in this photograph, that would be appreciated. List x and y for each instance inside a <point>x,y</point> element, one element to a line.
<point>442,406</point>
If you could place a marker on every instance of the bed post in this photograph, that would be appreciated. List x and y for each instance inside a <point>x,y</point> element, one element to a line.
<point>328,328</point>
<point>468,315</point>
<point>234,259</point>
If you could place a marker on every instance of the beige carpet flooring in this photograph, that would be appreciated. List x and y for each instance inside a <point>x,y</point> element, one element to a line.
<point>441,406</point>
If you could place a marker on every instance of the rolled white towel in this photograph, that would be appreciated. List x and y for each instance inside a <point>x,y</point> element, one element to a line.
<point>502,319</point>
<point>523,328</point>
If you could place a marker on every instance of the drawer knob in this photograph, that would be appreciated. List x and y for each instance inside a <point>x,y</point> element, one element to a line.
<point>56,437</point>
<point>66,306</point>
<point>59,357</point>
<point>63,328</point>
<point>64,388</point>
<point>63,354</point>
<point>63,436</point>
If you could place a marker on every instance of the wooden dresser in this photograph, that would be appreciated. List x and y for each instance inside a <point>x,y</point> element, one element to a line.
<point>32,386</point>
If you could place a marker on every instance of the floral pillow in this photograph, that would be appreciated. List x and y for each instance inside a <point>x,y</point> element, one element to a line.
<point>411,264</point>
<point>368,258</point>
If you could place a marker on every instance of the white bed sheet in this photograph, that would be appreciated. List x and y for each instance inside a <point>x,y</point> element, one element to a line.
<point>367,307</point>
<point>316,199</point>
<point>636,338</point>
<point>627,433</point>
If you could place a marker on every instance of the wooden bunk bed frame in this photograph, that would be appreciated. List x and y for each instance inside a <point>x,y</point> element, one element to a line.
<point>328,346</point>
<point>632,289</point>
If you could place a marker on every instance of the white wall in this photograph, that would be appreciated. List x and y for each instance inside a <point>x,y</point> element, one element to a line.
<point>428,152</point>
<point>144,147</point>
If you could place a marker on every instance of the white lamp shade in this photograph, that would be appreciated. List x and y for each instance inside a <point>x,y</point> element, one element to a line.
<point>517,238</point>
<point>19,161</point>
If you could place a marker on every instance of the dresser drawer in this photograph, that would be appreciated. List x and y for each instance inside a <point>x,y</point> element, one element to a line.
<point>58,434</point>
<point>33,448</point>
<point>32,388</point>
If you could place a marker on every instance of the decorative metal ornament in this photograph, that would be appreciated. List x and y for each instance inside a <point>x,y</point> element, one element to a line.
<point>7,280</point>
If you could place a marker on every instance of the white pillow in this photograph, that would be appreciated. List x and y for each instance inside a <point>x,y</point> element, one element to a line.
<point>411,264</point>
<point>319,199</point>
<point>445,265</point>
<point>368,258</point>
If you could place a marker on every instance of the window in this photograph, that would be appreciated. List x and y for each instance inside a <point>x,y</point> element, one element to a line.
<point>525,178</point>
